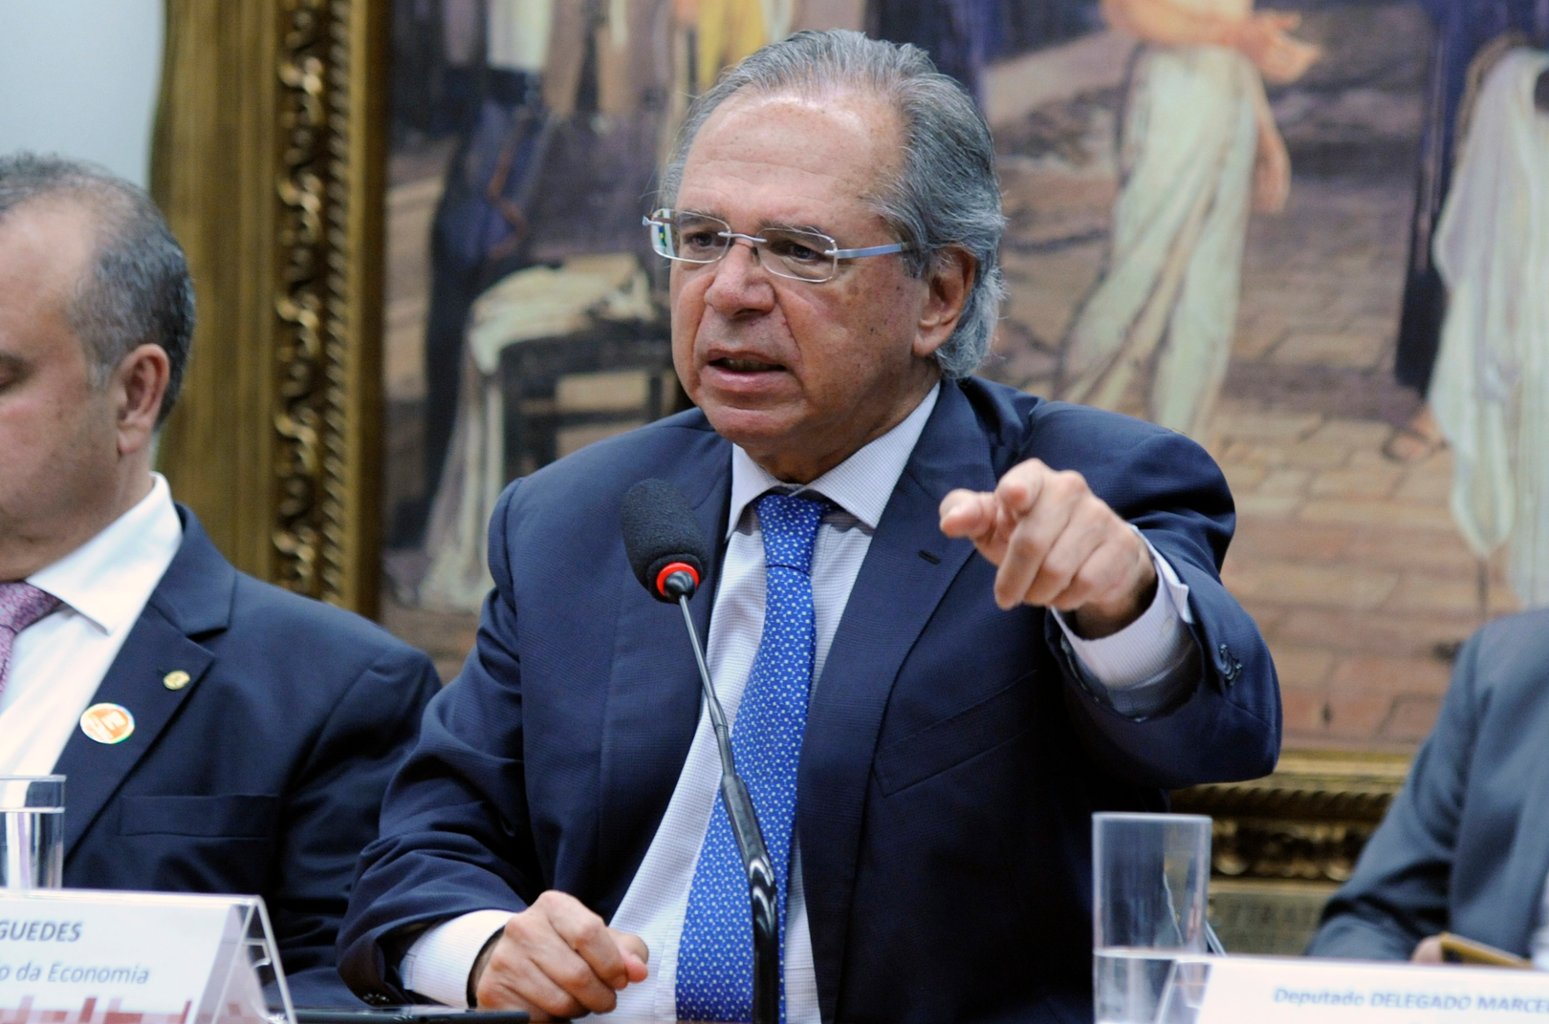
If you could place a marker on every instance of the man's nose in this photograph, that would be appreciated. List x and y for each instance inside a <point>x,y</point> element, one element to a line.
<point>741,281</point>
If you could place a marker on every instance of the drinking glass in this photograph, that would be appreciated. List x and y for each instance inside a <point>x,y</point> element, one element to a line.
<point>32,848</point>
<point>1149,881</point>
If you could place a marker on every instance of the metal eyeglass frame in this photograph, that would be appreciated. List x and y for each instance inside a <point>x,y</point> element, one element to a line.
<point>660,222</point>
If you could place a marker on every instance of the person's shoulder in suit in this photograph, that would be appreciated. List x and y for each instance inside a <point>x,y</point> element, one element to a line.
<point>1511,652</point>
<point>591,481</point>
<point>312,628</point>
<point>1018,419</point>
<point>290,636</point>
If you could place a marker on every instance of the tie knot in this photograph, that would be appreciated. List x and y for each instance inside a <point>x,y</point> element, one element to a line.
<point>789,523</point>
<point>22,604</point>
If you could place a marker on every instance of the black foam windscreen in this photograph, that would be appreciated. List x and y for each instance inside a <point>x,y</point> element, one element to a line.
<point>659,529</point>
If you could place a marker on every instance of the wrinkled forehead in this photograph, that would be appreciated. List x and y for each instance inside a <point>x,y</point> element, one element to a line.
<point>799,157</point>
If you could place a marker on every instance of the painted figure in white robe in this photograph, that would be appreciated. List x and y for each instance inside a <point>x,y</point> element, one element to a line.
<point>1490,391</point>
<point>1199,146</point>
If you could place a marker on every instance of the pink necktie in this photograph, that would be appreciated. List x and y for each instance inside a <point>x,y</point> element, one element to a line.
<point>21,604</point>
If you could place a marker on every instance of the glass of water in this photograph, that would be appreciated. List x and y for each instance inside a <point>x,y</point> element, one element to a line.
<point>1150,874</point>
<point>32,835</point>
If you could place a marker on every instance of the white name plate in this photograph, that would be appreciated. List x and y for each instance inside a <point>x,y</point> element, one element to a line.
<point>151,958</point>
<point>1276,990</point>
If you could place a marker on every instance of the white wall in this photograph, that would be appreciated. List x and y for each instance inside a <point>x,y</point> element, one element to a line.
<point>79,78</point>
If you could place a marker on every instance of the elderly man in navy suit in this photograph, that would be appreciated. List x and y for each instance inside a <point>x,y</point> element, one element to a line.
<point>217,734</point>
<point>986,616</point>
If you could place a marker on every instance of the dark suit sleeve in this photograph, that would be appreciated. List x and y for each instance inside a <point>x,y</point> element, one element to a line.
<point>331,813</point>
<point>449,841</point>
<point>1399,892</point>
<point>1226,723</point>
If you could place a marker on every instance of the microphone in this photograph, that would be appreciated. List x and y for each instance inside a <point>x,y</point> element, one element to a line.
<point>667,552</point>
<point>665,547</point>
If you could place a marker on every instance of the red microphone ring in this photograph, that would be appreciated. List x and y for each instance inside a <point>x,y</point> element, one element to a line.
<point>674,567</point>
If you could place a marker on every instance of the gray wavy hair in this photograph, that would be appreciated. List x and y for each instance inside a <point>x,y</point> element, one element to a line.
<point>138,289</point>
<point>946,194</point>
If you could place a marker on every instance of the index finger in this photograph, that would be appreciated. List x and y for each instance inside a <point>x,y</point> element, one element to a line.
<point>1019,488</point>
<point>965,513</point>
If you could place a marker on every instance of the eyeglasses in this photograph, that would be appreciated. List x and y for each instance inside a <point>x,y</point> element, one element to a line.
<point>786,252</point>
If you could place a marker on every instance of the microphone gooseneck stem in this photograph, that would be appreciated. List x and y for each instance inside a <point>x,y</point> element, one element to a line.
<point>712,704</point>
<point>762,890</point>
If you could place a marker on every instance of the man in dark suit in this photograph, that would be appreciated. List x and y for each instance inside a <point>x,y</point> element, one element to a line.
<point>1463,848</point>
<point>217,734</point>
<point>555,841</point>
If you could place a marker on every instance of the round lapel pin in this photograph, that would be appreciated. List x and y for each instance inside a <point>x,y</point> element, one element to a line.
<point>107,723</point>
<point>175,680</point>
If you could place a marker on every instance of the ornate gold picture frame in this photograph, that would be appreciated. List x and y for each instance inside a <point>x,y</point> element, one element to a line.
<point>269,165</point>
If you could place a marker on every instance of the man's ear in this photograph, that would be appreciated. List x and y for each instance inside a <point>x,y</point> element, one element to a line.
<point>948,283</point>
<point>138,384</point>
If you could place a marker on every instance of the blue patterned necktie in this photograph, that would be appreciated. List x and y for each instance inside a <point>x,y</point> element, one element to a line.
<point>715,955</point>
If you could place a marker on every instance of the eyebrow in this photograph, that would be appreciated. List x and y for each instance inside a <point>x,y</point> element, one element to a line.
<point>765,226</point>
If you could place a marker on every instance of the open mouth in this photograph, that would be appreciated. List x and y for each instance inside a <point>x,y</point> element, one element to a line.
<point>745,365</point>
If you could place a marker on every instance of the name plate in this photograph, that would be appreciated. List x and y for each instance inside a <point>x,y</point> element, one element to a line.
<point>131,958</point>
<point>1287,990</point>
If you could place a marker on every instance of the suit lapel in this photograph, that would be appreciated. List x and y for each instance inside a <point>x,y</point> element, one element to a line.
<point>194,596</point>
<point>907,570</point>
<point>653,700</point>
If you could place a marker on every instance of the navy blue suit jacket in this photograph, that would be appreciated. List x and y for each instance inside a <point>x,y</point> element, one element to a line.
<point>952,755</point>
<point>263,775</point>
<point>1464,847</point>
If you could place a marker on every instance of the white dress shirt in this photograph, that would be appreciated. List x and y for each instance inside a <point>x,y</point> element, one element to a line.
<point>438,963</point>
<point>58,662</point>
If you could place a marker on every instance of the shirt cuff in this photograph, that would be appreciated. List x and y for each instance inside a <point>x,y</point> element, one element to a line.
<point>437,965</point>
<point>1150,651</point>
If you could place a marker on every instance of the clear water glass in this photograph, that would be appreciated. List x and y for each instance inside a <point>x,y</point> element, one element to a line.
<point>32,836</point>
<point>1150,876</point>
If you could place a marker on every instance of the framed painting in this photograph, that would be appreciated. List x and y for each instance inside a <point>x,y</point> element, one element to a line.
<point>416,231</point>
